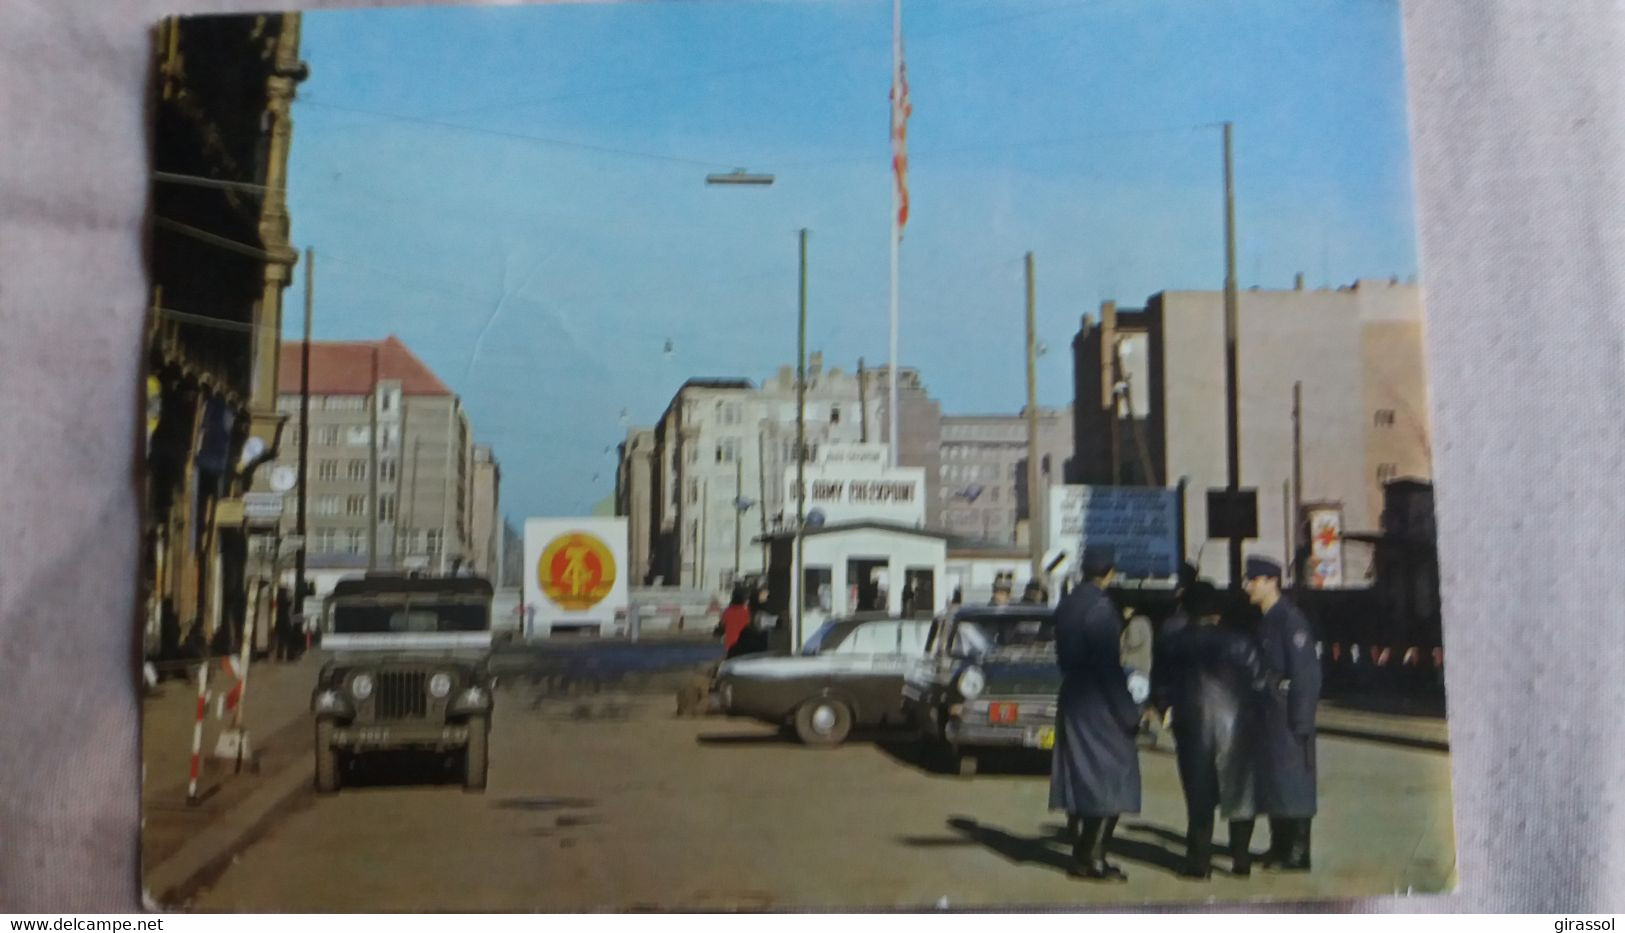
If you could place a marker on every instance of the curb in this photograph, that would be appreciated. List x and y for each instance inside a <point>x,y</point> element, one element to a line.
<point>169,883</point>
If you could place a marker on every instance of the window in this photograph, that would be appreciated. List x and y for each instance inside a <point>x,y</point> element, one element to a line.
<point>693,453</point>
<point>816,591</point>
<point>834,414</point>
<point>386,508</point>
<point>431,541</point>
<point>357,470</point>
<point>358,436</point>
<point>328,435</point>
<point>355,541</point>
<point>1387,471</point>
<point>1384,418</point>
<point>327,505</point>
<point>355,505</point>
<point>693,491</point>
<point>728,450</point>
<point>325,539</point>
<point>387,437</point>
<point>386,470</point>
<point>327,469</point>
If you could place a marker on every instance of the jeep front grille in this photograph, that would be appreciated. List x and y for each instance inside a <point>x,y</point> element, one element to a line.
<point>401,695</point>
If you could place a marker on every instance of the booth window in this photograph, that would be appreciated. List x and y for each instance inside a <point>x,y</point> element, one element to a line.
<point>816,587</point>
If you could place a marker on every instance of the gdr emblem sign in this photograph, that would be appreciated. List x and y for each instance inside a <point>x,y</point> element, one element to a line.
<point>576,571</point>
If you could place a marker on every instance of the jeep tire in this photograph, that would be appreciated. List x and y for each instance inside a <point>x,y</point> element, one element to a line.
<point>476,759</point>
<point>327,758</point>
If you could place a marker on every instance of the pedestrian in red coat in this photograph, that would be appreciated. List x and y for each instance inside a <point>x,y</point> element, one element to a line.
<point>735,619</point>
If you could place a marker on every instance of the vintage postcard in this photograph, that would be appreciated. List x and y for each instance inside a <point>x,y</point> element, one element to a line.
<point>819,454</point>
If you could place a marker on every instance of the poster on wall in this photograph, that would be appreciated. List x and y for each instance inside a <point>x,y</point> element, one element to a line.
<point>1325,546</point>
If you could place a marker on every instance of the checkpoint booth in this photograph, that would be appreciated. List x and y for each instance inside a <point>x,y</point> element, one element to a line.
<point>856,566</point>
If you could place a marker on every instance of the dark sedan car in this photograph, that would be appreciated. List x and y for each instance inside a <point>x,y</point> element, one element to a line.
<point>850,674</point>
<point>988,680</point>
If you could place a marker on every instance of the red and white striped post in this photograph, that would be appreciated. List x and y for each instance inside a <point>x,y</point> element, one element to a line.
<point>197,730</point>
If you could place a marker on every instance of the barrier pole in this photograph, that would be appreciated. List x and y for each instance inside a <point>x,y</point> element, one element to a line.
<point>197,730</point>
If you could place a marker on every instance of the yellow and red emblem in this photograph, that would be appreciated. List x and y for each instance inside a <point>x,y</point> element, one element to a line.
<point>576,571</point>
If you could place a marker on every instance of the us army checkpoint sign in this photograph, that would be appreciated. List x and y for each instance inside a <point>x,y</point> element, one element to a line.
<point>575,573</point>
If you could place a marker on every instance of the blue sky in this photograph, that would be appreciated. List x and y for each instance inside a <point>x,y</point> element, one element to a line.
<point>517,192</point>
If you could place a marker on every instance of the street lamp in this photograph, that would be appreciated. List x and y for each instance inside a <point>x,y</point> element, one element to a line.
<point>738,177</point>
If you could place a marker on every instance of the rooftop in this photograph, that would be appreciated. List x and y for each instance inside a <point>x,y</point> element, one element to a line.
<point>354,367</point>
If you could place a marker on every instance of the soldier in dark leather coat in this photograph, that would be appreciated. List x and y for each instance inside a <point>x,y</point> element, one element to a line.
<point>1095,775</point>
<point>1286,746</point>
<point>1210,677</point>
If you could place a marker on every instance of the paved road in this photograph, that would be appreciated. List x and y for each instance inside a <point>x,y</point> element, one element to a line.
<point>611,803</point>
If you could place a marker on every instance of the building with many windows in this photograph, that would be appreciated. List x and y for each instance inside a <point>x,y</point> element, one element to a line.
<point>1332,390</point>
<point>395,480</point>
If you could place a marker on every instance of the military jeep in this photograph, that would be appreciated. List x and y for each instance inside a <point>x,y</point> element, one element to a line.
<point>408,671</point>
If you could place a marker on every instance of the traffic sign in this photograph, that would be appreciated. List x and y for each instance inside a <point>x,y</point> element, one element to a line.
<point>262,506</point>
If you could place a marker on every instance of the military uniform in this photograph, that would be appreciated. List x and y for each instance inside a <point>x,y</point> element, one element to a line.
<point>1286,749</point>
<point>1095,775</point>
<point>1210,677</point>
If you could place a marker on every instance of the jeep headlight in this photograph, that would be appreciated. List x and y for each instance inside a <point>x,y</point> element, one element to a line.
<point>440,685</point>
<point>972,683</point>
<point>361,686</point>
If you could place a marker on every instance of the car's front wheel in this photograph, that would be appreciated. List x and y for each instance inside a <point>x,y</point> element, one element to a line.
<point>476,759</point>
<point>823,722</point>
<point>327,758</point>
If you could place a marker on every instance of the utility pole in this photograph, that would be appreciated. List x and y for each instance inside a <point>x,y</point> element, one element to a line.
<point>304,434</point>
<point>863,405</point>
<point>1035,543</point>
<point>372,468</point>
<point>739,511</point>
<point>412,496</point>
<point>801,442</point>
<point>1231,389</point>
<point>1297,482</point>
<point>445,489</point>
<point>395,555</point>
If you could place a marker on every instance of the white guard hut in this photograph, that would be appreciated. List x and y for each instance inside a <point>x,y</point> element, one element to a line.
<point>857,566</point>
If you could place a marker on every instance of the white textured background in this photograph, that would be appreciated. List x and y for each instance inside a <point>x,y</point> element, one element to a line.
<point>1518,115</point>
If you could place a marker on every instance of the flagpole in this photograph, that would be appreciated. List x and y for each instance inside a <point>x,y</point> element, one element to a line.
<point>897,104</point>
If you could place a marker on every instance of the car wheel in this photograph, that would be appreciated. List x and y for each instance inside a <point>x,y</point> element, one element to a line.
<point>327,758</point>
<point>476,758</point>
<point>823,722</point>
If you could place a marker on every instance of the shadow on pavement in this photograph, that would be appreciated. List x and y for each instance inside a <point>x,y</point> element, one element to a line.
<point>544,804</point>
<point>743,738</point>
<point>999,763</point>
<point>1052,848</point>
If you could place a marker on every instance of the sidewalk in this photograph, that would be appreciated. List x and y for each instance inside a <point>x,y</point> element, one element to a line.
<point>181,842</point>
<point>1431,732</point>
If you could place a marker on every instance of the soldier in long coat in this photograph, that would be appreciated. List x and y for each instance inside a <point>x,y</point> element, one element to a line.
<point>1095,776</point>
<point>1210,678</point>
<point>1286,760</point>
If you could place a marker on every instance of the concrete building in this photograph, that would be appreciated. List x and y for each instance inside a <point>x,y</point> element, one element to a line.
<point>1357,353</point>
<point>718,453</point>
<point>402,496</point>
<point>219,260</point>
<point>485,514</point>
<point>634,498</point>
<point>983,472</point>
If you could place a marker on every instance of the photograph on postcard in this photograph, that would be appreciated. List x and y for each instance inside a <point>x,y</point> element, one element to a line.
<point>818,454</point>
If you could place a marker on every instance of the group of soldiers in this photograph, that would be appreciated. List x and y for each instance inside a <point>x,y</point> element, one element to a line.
<point>1240,682</point>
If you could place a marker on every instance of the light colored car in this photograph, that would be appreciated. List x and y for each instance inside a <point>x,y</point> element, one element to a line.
<point>850,674</point>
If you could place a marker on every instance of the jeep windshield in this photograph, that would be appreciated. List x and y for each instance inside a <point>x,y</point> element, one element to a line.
<point>412,615</point>
<point>1003,635</point>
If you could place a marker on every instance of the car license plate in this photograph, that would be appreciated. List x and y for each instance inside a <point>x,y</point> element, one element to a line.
<point>372,735</point>
<point>1042,737</point>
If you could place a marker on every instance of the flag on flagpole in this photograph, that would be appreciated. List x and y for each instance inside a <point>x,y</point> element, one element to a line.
<point>901,109</point>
